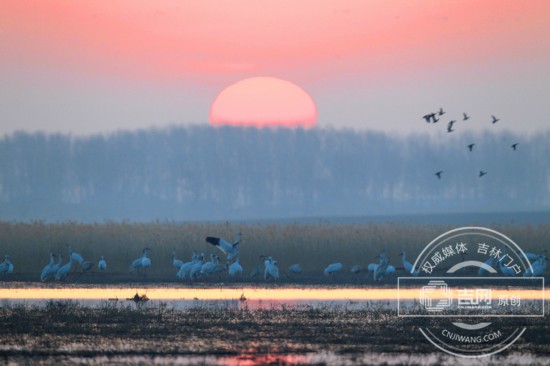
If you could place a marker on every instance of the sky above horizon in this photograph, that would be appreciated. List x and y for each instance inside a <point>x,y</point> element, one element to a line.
<point>101,66</point>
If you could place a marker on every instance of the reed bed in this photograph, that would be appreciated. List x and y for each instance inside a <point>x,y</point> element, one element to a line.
<point>314,246</point>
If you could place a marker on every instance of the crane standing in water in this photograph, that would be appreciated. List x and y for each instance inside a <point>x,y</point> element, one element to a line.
<point>141,262</point>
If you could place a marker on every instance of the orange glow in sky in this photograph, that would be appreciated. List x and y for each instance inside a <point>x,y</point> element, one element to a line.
<point>110,64</point>
<point>170,38</point>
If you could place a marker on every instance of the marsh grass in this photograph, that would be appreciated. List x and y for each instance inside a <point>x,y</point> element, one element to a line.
<point>312,245</point>
<point>68,328</point>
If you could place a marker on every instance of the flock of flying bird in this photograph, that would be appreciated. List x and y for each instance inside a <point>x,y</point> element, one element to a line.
<point>432,117</point>
<point>197,267</point>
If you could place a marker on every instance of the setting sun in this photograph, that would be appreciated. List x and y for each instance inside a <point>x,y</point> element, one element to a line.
<point>263,102</point>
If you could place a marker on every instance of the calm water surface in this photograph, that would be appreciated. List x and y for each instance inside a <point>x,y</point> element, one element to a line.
<point>222,297</point>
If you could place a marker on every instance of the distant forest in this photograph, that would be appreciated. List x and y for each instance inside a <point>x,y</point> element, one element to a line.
<point>231,173</point>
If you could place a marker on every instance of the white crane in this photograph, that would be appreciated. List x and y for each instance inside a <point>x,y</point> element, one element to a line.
<point>257,271</point>
<point>541,266</point>
<point>86,266</point>
<point>371,268</point>
<point>211,266</point>
<point>176,262</point>
<point>538,267</point>
<point>271,269</point>
<point>381,267</point>
<point>507,271</point>
<point>63,272</point>
<point>295,268</point>
<point>408,265</point>
<point>195,270</point>
<point>235,268</point>
<point>141,262</point>
<point>76,257</point>
<point>58,264</point>
<point>186,267</point>
<point>356,269</point>
<point>48,270</point>
<point>102,264</point>
<point>6,266</point>
<point>531,257</point>
<point>333,268</point>
<point>231,250</point>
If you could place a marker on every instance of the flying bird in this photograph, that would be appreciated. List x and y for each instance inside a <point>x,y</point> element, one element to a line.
<point>495,120</point>
<point>466,117</point>
<point>231,250</point>
<point>428,117</point>
<point>441,112</point>
<point>439,174</point>
<point>471,146</point>
<point>450,126</point>
<point>514,146</point>
<point>482,173</point>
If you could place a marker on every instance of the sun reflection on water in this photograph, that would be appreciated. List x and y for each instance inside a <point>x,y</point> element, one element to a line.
<point>250,293</point>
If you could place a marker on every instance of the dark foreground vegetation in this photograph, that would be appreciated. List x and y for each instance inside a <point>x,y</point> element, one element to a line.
<point>61,330</point>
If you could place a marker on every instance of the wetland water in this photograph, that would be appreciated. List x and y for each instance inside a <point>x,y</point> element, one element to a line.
<point>212,325</point>
<point>255,297</point>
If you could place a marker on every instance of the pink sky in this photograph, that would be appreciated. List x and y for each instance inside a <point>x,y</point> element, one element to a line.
<point>355,58</point>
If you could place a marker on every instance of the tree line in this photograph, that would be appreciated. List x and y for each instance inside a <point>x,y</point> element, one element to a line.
<point>222,173</point>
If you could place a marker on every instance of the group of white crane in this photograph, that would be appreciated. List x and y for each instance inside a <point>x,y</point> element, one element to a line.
<point>378,271</point>
<point>538,265</point>
<point>198,268</point>
<point>55,270</point>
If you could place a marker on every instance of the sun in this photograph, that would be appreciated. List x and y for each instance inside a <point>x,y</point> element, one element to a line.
<point>264,102</point>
